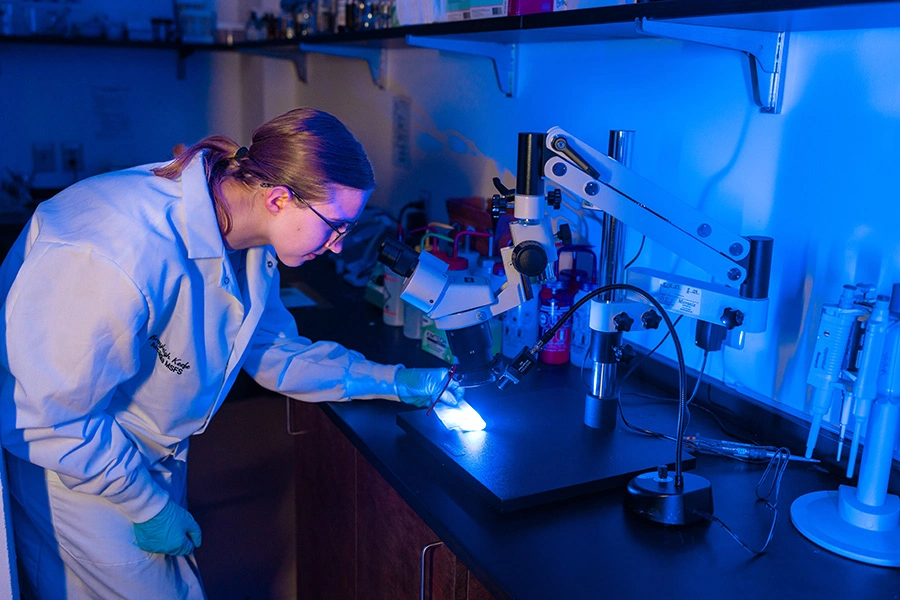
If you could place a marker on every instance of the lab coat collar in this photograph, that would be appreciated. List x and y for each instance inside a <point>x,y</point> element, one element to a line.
<point>204,240</point>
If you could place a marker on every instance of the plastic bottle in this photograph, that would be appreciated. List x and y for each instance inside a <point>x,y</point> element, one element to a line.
<point>393,304</point>
<point>555,301</point>
<point>581,326</point>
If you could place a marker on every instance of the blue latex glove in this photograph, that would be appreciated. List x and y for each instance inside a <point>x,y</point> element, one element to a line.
<point>173,531</point>
<point>419,387</point>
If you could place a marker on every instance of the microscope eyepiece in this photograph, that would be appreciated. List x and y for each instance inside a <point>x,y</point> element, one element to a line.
<point>398,257</point>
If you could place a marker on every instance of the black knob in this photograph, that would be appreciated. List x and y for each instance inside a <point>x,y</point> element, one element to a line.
<point>529,258</point>
<point>650,319</point>
<point>502,201</point>
<point>623,322</point>
<point>554,198</point>
<point>564,234</point>
<point>505,191</point>
<point>498,205</point>
<point>732,318</point>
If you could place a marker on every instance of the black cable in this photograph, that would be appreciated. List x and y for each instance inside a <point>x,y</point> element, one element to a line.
<point>647,432</point>
<point>638,362</point>
<point>627,374</point>
<point>420,204</point>
<point>699,376</point>
<point>641,360</point>
<point>721,425</point>
<point>682,370</point>
<point>652,397</point>
<point>774,471</point>
<point>709,401</point>
<point>637,254</point>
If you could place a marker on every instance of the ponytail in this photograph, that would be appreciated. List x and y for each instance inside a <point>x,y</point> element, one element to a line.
<point>305,149</point>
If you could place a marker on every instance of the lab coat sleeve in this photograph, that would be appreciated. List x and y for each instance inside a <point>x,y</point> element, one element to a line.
<point>281,360</point>
<point>71,323</point>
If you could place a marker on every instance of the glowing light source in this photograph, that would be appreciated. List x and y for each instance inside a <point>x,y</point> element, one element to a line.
<point>462,417</point>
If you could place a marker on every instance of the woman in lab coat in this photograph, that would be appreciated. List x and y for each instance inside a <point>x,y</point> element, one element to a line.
<point>130,302</point>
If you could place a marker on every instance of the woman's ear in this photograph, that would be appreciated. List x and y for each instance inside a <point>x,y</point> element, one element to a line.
<point>276,199</point>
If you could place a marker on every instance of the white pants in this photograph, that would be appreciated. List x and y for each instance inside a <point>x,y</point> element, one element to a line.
<point>72,545</point>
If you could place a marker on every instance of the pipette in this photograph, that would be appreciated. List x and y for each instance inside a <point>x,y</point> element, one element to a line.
<point>866,388</point>
<point>738,450</point>
<point>825,375</point>
<point>846,405</point>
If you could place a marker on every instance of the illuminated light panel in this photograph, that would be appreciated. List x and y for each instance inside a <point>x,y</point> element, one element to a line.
<point>461,417</point>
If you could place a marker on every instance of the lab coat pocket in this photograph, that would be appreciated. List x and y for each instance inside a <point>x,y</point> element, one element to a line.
<point>91,528</point>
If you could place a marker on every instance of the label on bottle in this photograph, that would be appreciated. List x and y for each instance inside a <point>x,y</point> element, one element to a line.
<point>556,351</point>
<point>393,304</point>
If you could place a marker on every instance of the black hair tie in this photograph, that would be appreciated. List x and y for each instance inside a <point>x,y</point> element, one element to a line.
<point>241,153</point>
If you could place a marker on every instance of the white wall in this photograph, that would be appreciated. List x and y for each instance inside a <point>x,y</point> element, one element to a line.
<point>817,177</point>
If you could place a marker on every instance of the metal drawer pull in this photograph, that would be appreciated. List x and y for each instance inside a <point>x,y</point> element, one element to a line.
<point>289,406</point>
<point>425,550</point>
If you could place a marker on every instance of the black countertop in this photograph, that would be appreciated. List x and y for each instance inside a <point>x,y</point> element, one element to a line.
<point>587,546</point>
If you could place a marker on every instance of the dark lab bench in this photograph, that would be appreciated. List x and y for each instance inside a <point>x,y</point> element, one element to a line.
<point>587,546</point>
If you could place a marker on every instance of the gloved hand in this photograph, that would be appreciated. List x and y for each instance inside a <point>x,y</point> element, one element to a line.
<point>173,531</point>
<point>419,387</point>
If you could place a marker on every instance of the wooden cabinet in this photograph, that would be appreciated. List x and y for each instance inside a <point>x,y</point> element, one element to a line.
<point>356,537</point>
<point>326,507</point>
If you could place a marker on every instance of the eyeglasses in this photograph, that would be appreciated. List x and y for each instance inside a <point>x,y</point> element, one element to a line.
<point>341,228</point>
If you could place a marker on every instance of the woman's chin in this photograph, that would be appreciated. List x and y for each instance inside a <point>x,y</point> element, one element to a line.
<point>294,262</point>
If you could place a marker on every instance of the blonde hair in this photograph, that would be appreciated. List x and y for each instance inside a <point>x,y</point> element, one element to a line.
<point>305,149</point>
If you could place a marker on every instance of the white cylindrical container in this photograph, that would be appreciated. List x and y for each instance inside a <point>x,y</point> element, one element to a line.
<point>520,328</point>
<point>580,341</point>
<point>412,322</point>
<point>393,304</point>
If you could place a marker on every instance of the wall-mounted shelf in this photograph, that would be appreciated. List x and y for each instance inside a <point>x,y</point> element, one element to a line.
<point>182,49</point>
<point>758,28</point>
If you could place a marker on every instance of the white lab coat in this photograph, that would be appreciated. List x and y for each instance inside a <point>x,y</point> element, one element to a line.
<point>125,325</point>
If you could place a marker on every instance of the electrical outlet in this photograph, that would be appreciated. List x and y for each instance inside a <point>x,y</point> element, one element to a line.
<point>43,157</point>
<point>72,157</point>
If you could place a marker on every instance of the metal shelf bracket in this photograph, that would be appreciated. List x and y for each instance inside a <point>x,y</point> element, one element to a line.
<point>181,65</point>
<point>502,55</point>
<point>373,56</point>
<point>767,51</point>
<point>298,58</point>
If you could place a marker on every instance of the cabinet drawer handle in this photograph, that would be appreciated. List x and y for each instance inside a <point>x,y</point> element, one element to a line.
<point>289,406</point>
<point>422,557</point>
